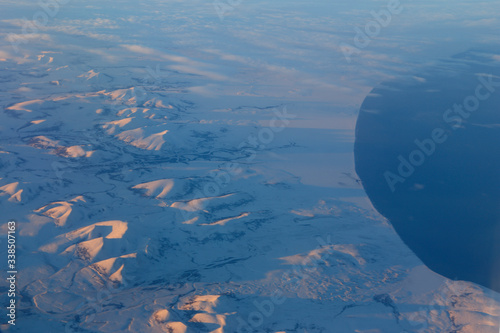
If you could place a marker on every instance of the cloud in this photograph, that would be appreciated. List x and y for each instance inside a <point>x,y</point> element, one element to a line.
<point>149,51</point>
<point>140,49</point>
<point>12,38</point>
<point>197,71</point>
<point>481,23</point>
<point>96,23</point>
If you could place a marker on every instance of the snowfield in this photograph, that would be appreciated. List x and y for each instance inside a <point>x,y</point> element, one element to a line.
<point>170,171</point>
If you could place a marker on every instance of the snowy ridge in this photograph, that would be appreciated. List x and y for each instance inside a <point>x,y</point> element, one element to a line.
<point>178,256</point>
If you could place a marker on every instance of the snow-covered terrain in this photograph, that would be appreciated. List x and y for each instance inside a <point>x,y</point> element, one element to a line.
<point>173,168</point>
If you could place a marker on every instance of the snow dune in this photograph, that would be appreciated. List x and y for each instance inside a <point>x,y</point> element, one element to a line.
<point>43,142</point>
<point>158,188</point>
<point>214,203</point>
<point>60,210</point>
<point>111,126</point>
<point>226,220</point>
<point>138,139</point>
<point>90,238</point>
<point>23,106</point>
<point>12,191</point>
<point>113,267</point>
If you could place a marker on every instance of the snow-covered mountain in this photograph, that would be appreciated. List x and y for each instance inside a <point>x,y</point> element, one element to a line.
<point>171,183</point>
